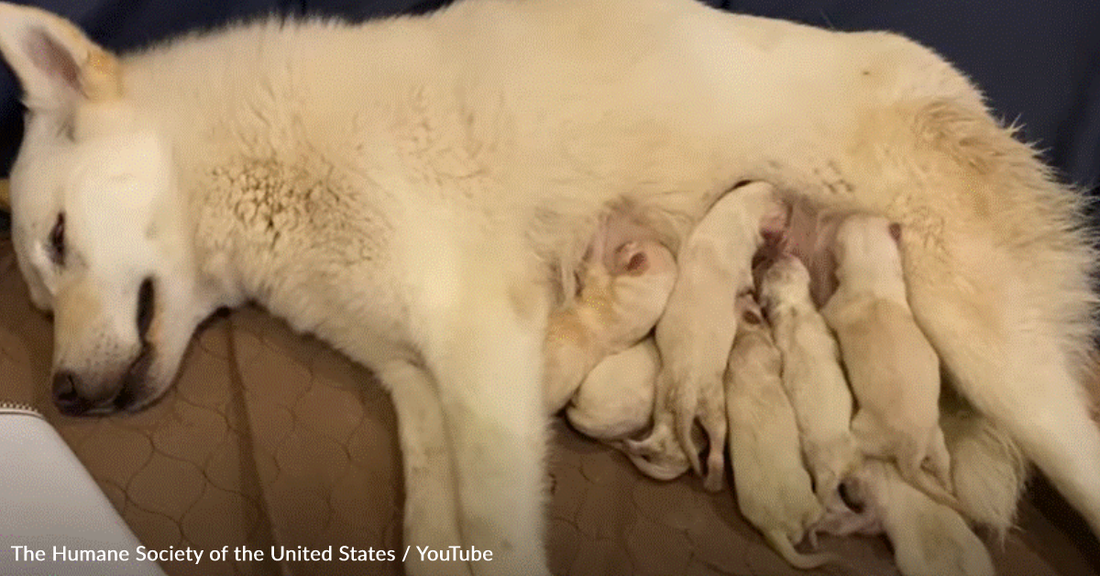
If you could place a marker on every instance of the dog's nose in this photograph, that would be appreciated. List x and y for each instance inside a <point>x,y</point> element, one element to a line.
<point>65,396</point>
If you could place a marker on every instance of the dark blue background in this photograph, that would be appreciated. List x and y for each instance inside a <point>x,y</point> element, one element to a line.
<point>1037,60</point>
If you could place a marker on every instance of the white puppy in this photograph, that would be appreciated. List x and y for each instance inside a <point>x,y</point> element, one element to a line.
<point>615,400</point>
<point>929,538</point>
<point>893,370</point>
<point>774,490</point>
<point>623,291</point>
<point>812,376</point>
<point>696,332</point>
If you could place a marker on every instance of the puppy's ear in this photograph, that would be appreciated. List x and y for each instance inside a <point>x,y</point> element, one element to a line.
<point>55,62</point>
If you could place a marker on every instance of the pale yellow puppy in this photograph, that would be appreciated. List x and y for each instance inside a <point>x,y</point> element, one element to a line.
<point>893,370</point>
<point>774,490</point>
<point>623,292</point>
<point>812,376</point>
<point>615,400</point>
<point>696,331</point>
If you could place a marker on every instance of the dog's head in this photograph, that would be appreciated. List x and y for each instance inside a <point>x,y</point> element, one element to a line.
<point>99,235</point>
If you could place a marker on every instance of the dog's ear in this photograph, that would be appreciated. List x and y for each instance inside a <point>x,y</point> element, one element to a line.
<point>55,62</point>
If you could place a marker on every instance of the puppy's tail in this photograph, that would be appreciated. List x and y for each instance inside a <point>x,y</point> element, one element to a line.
<point>782,545</point>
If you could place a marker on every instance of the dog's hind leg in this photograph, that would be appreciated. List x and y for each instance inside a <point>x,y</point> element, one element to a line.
<point>1011,365</point>
<point>431,515</point>
<point>484,348</point>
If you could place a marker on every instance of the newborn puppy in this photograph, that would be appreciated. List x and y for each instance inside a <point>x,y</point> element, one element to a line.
<point>696,332</point>
<point>812,376</point>
<point>774,490</point>
<point>615,400</point>
<point>929,539</point>
<point>623,293</point>
<point>893,370</point>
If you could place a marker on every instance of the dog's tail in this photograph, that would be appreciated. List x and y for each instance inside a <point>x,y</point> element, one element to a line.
<point>988,468</point>
<point>782,546</point>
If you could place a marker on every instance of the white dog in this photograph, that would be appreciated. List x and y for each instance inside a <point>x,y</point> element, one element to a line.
<point>812,376</point>
<point>415,191</point>
<point>893,370</point>
<point>774,490</point>
<point>624,292</point>
<point>696,332</point>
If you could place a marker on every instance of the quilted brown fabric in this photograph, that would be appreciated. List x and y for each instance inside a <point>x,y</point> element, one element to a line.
<point>270,438</point>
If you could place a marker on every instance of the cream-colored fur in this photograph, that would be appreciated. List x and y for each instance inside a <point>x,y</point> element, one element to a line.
<point>812,376</point>
<point>619,303</point>
<point>987,468</point>
<point>697,329</point>
<point>773,487</point>
<point>893,370</point>
<point>421,190</point>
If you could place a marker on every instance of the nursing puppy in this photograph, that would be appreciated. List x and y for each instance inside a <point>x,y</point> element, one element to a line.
<point>929,538</point>
<point>615,402</point>
<point>812,376</point>
<point>696,331</point>
<point>774,491</point>
<point>624,290</point>
<point>893,370</point>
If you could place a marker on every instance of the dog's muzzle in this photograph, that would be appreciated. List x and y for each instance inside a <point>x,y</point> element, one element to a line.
<point>129,388</point>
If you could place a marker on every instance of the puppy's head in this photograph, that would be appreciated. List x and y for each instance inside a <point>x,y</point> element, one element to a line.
<point>866,241</point>
<point>99,236</point>
<point>786,281</point>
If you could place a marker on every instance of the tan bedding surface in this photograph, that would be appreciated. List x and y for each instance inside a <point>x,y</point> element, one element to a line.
<point>270,438</point>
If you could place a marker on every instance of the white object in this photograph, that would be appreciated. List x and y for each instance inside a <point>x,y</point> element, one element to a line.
<point>50,507</point>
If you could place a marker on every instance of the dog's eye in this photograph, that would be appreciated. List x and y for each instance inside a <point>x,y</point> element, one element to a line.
<point>57,240</point>
<point>146,299</point>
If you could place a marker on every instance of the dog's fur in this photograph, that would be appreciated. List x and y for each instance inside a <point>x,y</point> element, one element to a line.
<point>419,192</point>
<point>892,369</point>
<point>624,292</point>
<point>696,331</point>
<point>988,470</point>
<point>774,490</point>
<point>812,376</point>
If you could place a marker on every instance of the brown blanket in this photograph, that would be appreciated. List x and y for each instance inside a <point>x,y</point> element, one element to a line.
<point>272,439</point>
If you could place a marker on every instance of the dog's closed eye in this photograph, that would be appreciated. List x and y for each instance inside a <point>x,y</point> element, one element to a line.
<point>57,241</point>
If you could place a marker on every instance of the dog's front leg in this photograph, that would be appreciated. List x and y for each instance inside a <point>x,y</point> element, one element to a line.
<point>486,356</point>
<point>431,514</point>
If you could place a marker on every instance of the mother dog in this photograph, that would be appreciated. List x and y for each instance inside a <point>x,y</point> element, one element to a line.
<point>418,191</point>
